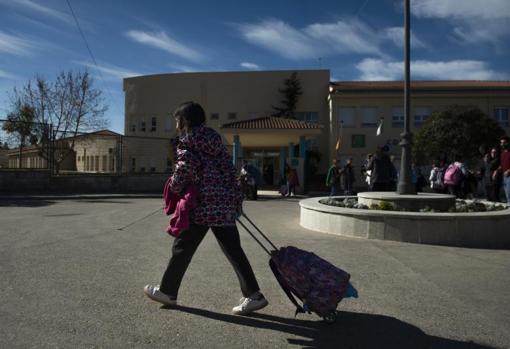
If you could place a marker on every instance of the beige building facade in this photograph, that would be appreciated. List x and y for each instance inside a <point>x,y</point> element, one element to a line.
<point>239,105</point>
<point>357,107</point>
<point>228,98</point>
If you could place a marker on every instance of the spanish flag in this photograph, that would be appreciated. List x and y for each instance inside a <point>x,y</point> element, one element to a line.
<point>380,127</point>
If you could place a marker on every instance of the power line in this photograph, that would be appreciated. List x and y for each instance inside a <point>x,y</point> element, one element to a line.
<point>361,8</point>
<point>88,49</point>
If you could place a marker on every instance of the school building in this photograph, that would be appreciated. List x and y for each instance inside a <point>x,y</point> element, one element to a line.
<point>239,105</point>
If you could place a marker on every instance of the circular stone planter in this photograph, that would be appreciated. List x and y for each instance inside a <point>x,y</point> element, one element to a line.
<point>438,202</point>
<point>474,229</point>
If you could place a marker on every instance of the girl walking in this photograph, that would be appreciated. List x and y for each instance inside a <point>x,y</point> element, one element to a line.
<point>203,161</point>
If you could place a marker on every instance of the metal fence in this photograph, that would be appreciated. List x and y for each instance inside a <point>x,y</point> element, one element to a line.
<point>63,153</point>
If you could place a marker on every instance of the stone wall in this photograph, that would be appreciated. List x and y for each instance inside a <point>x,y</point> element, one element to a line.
<point>24,182</point>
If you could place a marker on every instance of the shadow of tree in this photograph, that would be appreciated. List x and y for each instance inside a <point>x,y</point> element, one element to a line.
<point>351,330</point>
<point>25,203</point>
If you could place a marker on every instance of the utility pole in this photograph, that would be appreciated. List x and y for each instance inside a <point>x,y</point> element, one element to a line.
<point>405,183</point>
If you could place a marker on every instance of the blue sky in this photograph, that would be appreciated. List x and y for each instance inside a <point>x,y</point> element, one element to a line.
<point>355,39</point>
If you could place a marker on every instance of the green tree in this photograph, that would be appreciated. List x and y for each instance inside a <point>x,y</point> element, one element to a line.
<point>290,93</point>
<point>457,133</point>
<point>20,123</point>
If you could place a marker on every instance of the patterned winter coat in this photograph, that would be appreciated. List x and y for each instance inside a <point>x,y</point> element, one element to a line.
<point>202,159</point>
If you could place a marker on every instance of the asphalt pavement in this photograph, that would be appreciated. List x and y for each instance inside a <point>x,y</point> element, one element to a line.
<point>72,272</point>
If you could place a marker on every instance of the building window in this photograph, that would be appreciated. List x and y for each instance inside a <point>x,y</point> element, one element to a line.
<point>142,126</point>
<point>142,169</point>
<point>346,117</point>
<point>369,117</point>
<point>358,141</point>
<point>168,125</point>
<point>105,163</point>
<point>421,115</point>
<point>133,165</point>
<point>501,116</point>
<point>97,163</point>
<point>312,117</point>
<point>133,128</point>
<point>232,116</point>
<point>78,158</point>
<point>397,117</point>
<point>215,116</point>
<point>152,169</point>
<point>153,124</point>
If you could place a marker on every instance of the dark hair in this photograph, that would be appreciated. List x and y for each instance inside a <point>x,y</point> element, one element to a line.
<point>192,114</point>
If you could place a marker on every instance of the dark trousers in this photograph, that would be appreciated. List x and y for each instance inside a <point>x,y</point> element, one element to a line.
<point>187,243</point>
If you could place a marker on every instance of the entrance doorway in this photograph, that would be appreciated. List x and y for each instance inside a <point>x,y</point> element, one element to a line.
<point>268,164</point>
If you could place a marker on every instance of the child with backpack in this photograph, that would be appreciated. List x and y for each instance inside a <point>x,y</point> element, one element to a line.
<point>454,177</point>
<point>436,178</point>
<point>205,162</point>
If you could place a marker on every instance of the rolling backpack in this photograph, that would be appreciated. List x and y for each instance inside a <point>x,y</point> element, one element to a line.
<point>301,274</point>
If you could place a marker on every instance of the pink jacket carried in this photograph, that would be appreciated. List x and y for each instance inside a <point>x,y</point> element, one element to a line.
<point>179,207</point>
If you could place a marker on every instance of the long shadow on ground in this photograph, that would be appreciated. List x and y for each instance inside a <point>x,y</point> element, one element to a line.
<point>25,203</point>
<point>351,330</point>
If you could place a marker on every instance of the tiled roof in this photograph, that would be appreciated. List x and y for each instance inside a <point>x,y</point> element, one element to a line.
<point>337,86</point>
<point>31,148</point>
<point>272,123</point>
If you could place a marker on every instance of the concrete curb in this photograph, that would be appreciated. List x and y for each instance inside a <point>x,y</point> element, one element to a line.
<point>80,196</point>
<point>476,229</point>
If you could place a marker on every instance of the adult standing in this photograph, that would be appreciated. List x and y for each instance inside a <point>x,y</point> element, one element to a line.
<point>333,178</point>
<point>490,177</point>
<point>204,162</point>
<point>348,177</point>
<point>382,169</point>
<point>292,181</point>
<point>504,167</point>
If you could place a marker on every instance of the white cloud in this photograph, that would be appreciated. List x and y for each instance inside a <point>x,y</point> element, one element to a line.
<point>378,69</point>
<point>281,38</point>
<point>182,68</point>
<point>161,41</point>
<point>251,66</point>
<point>9,76</point>
<point>396,35</point>
<point>346,36</point>
<point>111,72</point>
<point>473,21</point>
<point>461,9</point>
<point>40,9</point>
<point>16,45</point>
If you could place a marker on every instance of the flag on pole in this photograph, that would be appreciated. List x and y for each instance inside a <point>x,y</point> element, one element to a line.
<point>380,127</point>
<point>339,137</point>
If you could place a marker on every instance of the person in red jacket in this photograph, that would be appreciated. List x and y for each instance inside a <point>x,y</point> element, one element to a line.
<point>505,165</point>
<point>204,161</point>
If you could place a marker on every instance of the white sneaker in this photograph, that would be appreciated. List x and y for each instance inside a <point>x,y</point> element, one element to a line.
<point>153,292</point>
<point>250,304</point>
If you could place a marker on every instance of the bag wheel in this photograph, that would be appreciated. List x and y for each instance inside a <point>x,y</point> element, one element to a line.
<point>330,318</point>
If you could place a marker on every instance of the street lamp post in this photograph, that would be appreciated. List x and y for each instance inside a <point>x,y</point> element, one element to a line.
<point>405,183</point>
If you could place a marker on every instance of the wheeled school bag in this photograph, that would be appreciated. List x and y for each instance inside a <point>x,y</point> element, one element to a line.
<point>317,283</point>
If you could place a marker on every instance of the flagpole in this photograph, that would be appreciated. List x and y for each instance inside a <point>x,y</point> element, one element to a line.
<point>405,185</point>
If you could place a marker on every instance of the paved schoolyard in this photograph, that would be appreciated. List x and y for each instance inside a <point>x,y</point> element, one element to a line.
<point>72,273</point>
